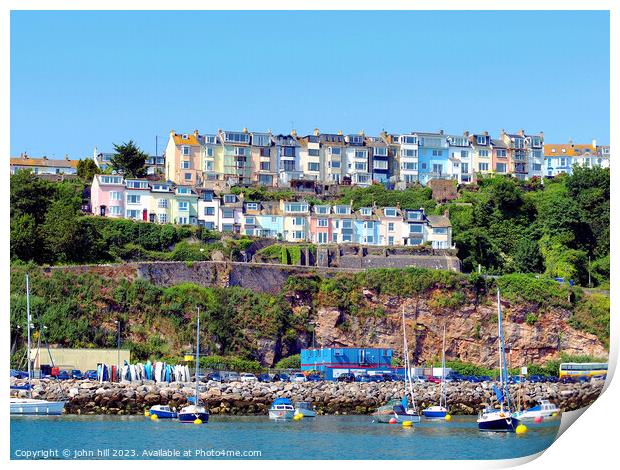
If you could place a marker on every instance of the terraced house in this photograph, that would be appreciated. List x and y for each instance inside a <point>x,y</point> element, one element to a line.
<point>562,158</point>
<point>228,158</point>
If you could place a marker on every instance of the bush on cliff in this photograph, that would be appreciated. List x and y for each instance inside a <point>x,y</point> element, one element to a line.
<point>291,362</point>
<point>231,363</point>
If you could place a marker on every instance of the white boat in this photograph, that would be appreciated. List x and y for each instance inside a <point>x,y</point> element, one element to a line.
<point>305,409</point>
<point>440,411</point>
<point>32,406</point>
<point>501,420</point>
<point>544,409</point>
<point>195,411</point>
<point>281,409</point>
<point>406,410</point>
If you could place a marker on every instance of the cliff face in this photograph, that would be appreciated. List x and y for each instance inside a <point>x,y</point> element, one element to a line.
<point>471,331</point>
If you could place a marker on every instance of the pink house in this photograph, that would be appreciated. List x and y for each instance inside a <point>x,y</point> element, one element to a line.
<point>107,195</point>
<point>321,224</point>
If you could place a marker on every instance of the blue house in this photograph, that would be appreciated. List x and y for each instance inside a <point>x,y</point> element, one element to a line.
<point>433,156</point>
<point>332,362</point>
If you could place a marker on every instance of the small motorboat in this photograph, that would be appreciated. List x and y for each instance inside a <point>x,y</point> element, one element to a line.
<point>281,409</point>
<point>436,411</point>
<point>163,412</point>
<point>32,406</point>
<point>305,409</point>
<point>544,409</point>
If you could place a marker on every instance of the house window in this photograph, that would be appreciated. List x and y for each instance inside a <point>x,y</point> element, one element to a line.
<point>500,168</point>
<point>390,226</point>
<point>360,166</point>
<point>298,220</point>
<point>185,149</point>
<point>321,209</point>
<point>228,213</point>
<point>188,176</point>
<point>367,211</point>
<point>380,164</point>
<point>313,152</point>
<point>183,205</point>
<point>440,230</point>
<point>185,164</point>
<point>240,151</point>
<point>133,214</point>
<point>322,222</point>
<point>389,212</point>
<point>415,228</point>
<point>115,196</point>
<point>483,167</point>
<point>227,227</point>
<point>483,153</point>
<point>437,153</point>
<point>115,210</point>
<point>264,166</point>
<point>133,199</point>
<point>380,151</point>
<point>230,198</point>
<point>408,153</point>
<point>361,154</point>
<point>501,152</point>
<point>409,139</point>
<point>163,218</point>
<point>252,206</point>
<point>334,150</point>
<point>335,164</point>
<point>322,237</point>
<point>390,240</point>
<point>162,203</point>
<point>313,167</point>
<point>437,168</point>
<point>481,140</point>
<point>346,237</point>
<point>249,220</point>
<point>183,221</point>
<point>209,211</point>
<point>265,180</point>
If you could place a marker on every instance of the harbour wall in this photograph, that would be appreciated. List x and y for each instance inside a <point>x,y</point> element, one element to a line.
<point>125,398</point>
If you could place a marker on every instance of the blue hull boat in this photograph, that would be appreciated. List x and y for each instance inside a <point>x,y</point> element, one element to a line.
<point>494,422</point>
<point>435,413</point>
<point>192,416</point>
<point>163,412</point>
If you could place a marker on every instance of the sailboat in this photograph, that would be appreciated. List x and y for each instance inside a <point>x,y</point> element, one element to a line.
<point>406,411</point>
<point>195,411</point>
<point>501,420</point>
<point>32,406</point>
<point>440,411</point>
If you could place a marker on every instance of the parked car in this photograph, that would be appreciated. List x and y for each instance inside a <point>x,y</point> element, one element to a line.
<point>313,378</point>
<point>284,378</point>
<point>230,376</point>
<point>64,375</point>
<point>376,378</point>
<point>76,374</point>
<point>19,374</point>
<point>419,379</point>
<point>390,377</point>
<point>346,377</point>
<point>485,378</point>
<point>247,377</point>
<point>264,378</point>
<point>214,376</point>
<point>363,378</point>
<point>90,374</point>
<point>298,377</point>
<point>434,380</point>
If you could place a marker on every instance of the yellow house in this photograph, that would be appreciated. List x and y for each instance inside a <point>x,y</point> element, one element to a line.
<point>296,218</point>
<point>481,153</point>
<point>184,159</point>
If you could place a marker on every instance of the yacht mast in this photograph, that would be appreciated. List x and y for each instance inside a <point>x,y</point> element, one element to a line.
<point>197,354</point>
<point>28,328</point>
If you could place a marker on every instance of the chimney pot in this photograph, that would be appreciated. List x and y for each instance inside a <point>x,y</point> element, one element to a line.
<point>196,132</point>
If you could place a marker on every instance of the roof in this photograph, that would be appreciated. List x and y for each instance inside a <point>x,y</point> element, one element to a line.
<point>498,143</point>
<point>438,221</point>
<point>44,161</point>
<point>549,149</point>
<point>191,139</point>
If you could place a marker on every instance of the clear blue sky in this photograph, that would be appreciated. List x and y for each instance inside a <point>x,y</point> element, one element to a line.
<point>85,79</point>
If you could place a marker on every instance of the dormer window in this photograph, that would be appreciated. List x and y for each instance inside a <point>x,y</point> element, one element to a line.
<point>321,209</point>
<point>389,212</point>
<point>366,211</point>
<point>181,190</point>
<point>185,136</point>
<point>230,198</point>
<point>252,206</point>
<point>481,140</point>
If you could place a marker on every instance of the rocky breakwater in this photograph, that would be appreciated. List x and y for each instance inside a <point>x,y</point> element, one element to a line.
<point>90,397</point>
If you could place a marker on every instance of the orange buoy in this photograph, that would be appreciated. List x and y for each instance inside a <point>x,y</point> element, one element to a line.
<point>392,421</point>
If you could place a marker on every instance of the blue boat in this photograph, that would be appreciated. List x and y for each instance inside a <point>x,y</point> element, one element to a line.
<point>163,412</point>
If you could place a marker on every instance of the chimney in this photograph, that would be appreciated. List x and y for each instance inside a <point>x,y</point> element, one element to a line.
<point>362,132</point>
<point>440,131</point>
<point>245,130</point>
<point>485,133</point>
<point>44,157</point>
<point>171,135</point>
<point>316,131</point>
<point>570,141</point>
<point>594,143</point>
<point>339,132</point>
<point>521,132</point>
<point>196,133</point>
<point>466,134</point>
<point>294,133</point>
<point>66,157</point>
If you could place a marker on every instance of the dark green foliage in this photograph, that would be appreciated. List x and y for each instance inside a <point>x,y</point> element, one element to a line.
<point>291,362</point>
<point>128,160</point>
<point>87,169</point>
<point>263,194</point>
<point>410,198</point>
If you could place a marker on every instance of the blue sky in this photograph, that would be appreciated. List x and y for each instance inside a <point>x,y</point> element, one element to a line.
<point>85,79</point>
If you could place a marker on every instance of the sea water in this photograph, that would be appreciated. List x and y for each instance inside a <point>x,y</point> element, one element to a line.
<point>256,437</point>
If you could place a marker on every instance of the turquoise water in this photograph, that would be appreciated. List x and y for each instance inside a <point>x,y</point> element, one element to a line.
<point>324,437</point>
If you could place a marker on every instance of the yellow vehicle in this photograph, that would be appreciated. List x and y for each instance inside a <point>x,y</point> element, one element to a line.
<point>583,369</point>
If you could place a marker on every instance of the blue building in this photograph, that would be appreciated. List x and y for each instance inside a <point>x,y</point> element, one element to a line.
<point>332,362</point>
<point>433,153</point>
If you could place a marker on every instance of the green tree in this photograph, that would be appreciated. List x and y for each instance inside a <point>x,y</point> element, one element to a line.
<point>129,160</point>
<point>87,169</point>
<point>24,238</point>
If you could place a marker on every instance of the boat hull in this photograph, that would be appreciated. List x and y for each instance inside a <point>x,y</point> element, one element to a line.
<point>37,407</point>
<point>439,413</point>
<point>498,424</point>
<point>305,412</point>
<point>402,417</point>
<point>281,414</point>
<point>164,414</point>
<point>191,417</point>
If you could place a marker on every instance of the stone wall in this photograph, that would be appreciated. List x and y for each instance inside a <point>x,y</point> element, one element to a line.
<point>92,397</point>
